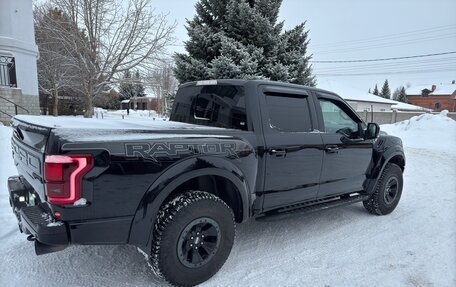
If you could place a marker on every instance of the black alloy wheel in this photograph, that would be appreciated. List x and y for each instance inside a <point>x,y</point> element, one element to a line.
<point>198,242</point>
<point>391,190</point>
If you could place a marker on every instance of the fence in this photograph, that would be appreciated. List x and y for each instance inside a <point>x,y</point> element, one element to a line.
<point>7,72</point>
<point>393,116</point>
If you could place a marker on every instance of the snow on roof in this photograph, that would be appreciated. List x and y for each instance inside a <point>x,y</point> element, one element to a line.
<point>125,101</point>
<point>445,89</point>
<point>150,92</point>
<point>352,94</point>
<point>408,107</point>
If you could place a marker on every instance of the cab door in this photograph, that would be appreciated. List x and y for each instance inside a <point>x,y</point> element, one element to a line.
<point>293,157</point>
<point>346,154</point>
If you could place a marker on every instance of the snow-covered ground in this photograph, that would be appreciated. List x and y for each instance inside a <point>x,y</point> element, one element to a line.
<point>131,114</point>
<point>414,246</point>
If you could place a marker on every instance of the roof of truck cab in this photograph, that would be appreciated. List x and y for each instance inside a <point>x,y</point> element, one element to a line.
<point>242,82</point>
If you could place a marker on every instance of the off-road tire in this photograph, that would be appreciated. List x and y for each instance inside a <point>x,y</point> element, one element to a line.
<point>378,203</point>
<point>173,221</point>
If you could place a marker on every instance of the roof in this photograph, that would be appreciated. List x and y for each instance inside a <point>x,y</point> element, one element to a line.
<point>353,94</point>
<point>408,107</point>
<point>125,101</point>
<point>149,92</point>
<point>445,89</point>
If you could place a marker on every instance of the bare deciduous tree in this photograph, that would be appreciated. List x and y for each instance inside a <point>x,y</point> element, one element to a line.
<point>56,69</point>
<point>164,84</point>
<point>110,37</point>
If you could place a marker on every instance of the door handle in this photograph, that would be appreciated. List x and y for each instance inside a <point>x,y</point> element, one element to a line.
<point>278,152</point>
<point>332,149</point>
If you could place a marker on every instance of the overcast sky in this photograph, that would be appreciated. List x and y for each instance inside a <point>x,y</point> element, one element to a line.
<point>360,29</point>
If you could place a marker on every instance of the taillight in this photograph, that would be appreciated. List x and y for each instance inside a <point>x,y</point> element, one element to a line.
<point>63,177</point>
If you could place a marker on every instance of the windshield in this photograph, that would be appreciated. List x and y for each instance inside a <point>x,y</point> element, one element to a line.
<point>213,105</point>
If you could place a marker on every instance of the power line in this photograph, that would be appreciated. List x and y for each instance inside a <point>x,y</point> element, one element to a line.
<point>386,73</point>
<point>388,37</point>
<point>429,63</point>
<point>442,67</point>
<point>348,48</point>
<point>386,59</point>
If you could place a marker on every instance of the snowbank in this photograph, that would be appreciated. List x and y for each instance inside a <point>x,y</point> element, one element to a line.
<point>425,131</point>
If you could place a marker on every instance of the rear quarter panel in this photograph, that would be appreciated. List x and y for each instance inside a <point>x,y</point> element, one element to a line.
<point>130,178</point>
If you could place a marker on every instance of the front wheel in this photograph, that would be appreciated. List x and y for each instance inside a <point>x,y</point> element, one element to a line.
<point>387,192</point>
<point>193,237</point>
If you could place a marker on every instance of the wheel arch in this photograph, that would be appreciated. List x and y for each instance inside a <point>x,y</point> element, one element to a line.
<point>397,157</point>
<point>203,171</point>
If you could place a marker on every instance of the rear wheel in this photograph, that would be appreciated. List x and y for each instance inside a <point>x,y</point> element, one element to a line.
<point>387,192</point>
<point>193,237</point>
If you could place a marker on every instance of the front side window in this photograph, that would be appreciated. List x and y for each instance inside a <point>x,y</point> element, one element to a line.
<point>288,112</point>
<point>211,105</point>
<point>336,120</point>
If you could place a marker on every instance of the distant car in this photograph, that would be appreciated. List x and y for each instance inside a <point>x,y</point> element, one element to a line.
<point>233,150</point>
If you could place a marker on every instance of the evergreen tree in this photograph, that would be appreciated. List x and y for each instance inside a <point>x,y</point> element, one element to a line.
<point>375,92</point>
<point>138,87</point>
<point>385,93</point>
<point>396,93</point>
<point>369,91</point>
<point>127,89</point>
<point>402,97</point>
<point>131,87</point>
<point>243,39</point>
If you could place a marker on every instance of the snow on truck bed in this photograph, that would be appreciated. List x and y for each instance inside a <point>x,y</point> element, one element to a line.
<point>83,129</point>
<point>413,246</point>
<point>111,124</point>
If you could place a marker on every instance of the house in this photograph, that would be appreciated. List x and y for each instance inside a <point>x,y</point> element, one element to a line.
<point>357,99</point>
<point>18,55</point>
<point>361,101</point>
<point>437,97</point>
<point>149,101</point>
<point>140,103</point>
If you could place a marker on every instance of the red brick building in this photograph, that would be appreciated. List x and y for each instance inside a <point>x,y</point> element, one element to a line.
<point>435,97</point>
<point>140,103</point>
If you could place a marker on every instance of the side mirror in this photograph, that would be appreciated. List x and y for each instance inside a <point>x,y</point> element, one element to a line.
<point>372,131</point>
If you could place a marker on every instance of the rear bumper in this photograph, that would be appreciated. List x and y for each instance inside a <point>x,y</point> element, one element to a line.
<point>35,219</point>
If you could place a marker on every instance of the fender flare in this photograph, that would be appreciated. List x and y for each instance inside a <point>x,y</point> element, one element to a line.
<point>146,213</point>
<point>384,160</point>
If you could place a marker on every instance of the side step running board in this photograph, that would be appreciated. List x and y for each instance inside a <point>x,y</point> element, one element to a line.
<point>311,206</point>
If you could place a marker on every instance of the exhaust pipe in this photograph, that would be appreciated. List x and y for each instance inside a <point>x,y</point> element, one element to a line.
<point>41,248</point>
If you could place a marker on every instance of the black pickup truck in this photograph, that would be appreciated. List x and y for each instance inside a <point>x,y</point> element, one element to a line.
<point>232,150</point>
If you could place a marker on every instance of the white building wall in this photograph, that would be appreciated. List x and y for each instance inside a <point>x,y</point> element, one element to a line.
<point>17,39</point>
<point>362,106</point>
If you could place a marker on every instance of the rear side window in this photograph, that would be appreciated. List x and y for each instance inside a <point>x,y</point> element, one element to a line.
<point>288,112</point>
<point>212,105</point>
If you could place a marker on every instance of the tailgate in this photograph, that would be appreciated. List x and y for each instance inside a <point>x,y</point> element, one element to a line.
<point>28,144</point>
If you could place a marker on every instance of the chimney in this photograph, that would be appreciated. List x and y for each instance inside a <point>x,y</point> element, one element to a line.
<point>433,88</point>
